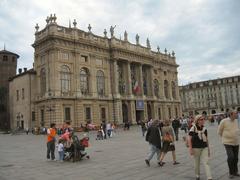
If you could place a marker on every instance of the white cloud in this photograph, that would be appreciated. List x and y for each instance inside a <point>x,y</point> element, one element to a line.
<point>195,29</point>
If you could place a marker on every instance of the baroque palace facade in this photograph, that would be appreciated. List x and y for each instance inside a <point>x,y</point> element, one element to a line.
<point>211,97</point>
<point>81,77</point>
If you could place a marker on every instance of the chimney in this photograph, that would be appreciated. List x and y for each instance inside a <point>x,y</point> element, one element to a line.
<point>19,71</point>
<point>25,69</point>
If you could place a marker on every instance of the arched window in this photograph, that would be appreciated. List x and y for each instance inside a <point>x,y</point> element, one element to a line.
<point>145,84</point>
<point>135,87</point>
<point>173,90</point>
<point>156,87</point>
<point>43,81</point>
<point>84,80</point>
<point>100,83</point>
<point>166,89</point>
<point>65,78</point>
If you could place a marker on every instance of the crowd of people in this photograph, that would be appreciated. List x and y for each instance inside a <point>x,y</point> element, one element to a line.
<point>161,136</point>
<point>67,142</point>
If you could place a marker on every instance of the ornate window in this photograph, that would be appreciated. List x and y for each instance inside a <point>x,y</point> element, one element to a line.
<point>84,81</point>
<point>65,76</point>
<point>67,114</point>
<point>43,81</point>
<point>145,90</point>
<point>100,83</point>
<point>156,87</point>
<point>134,79</point>
<point>88,114</point>
<point>121,81</point>
<point>166,89</point>
<point>173,90</point>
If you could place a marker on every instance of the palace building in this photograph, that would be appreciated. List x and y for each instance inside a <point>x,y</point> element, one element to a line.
<point>81,77</point>
<point>211,97</point>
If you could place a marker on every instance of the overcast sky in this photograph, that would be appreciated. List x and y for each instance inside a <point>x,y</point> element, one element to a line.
<point>205,34</point>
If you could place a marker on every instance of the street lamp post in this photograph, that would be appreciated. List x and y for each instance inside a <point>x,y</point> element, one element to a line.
<point>50,110</point>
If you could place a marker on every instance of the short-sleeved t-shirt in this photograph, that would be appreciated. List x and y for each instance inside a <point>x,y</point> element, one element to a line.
<point>196,141</point>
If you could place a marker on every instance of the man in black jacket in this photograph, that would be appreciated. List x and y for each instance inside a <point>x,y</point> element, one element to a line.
<point>154,138</point>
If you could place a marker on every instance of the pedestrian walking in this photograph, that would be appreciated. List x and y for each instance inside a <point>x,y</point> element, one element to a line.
<point>199,146</point>
<point>229,131</point>
<point>104,128</point>
<point>154,139</point>
<point>109,129</point>
<point>176,125</point>
<point>184,125</point>
<point>143,128</point>
<point>168,143</point>
<point>27,131</point>
<point>51,133</point>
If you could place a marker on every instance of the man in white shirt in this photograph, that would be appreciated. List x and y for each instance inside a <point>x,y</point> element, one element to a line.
<point>229,131</point>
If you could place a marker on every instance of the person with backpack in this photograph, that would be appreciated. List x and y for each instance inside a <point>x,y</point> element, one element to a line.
<point>168,143</point>
<point>199,146</point>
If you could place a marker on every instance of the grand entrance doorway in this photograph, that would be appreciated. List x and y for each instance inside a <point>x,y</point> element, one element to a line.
<point>139,110</point>
<point>125,113</point>
<point>139,116</point>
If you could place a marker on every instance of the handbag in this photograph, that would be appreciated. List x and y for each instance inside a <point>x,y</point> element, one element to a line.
<point>168,137</point>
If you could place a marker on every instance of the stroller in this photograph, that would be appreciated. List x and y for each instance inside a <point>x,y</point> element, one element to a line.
<point>76,150</point>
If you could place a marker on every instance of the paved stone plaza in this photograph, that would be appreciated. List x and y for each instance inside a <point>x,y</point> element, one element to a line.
<point>22,157</point>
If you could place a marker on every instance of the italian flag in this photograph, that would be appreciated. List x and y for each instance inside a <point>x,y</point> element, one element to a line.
<point>136,87</point>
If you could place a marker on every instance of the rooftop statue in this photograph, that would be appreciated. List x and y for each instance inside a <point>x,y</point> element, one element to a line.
<point>125,36</point>
<point>148,43</point>
<point>137,39</point>
<point>105,33</point>
<point>112,30</point>
<point>89,28</point>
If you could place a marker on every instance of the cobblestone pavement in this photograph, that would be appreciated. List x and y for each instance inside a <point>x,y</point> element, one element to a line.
<point>22,157</point>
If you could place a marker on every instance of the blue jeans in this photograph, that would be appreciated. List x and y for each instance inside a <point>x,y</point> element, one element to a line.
<point>61,155</point>
<point>153,150</point>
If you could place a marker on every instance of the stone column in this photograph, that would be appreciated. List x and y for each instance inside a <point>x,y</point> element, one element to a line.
<point>132,111</point>
<point>170,89</point>
<point>155,110</point>
<point>115,75</point>
<point>129,80</point>
<point>165,111</point>
<point>145,110</point>
<point>120,116</point>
